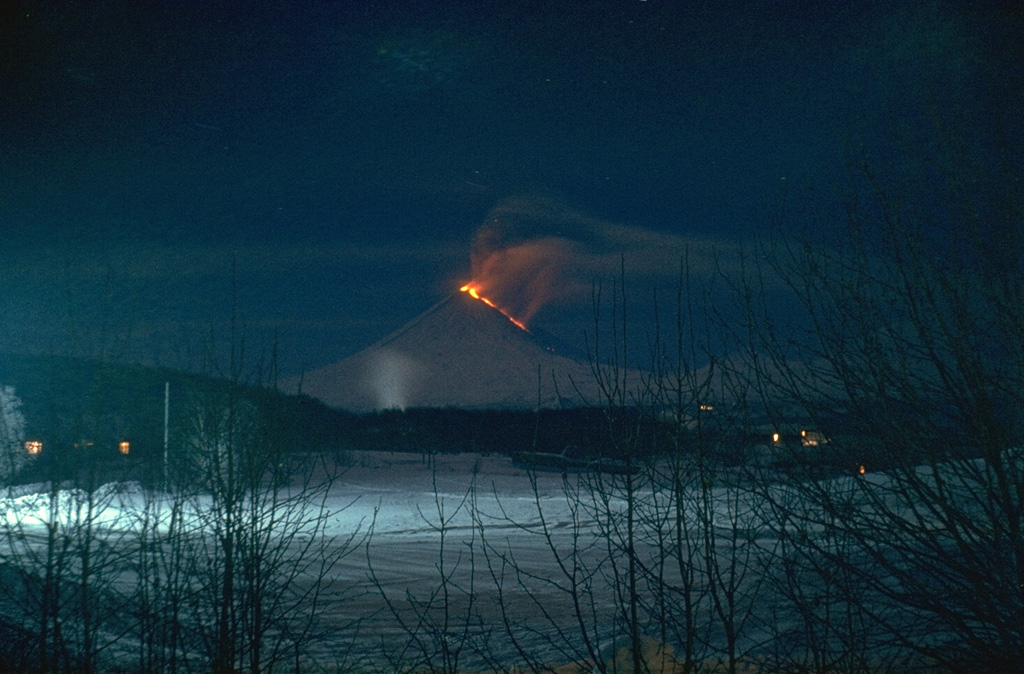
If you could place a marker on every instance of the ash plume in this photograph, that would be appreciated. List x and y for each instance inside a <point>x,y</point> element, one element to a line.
<point>531,252</point>
<point>520,275</point>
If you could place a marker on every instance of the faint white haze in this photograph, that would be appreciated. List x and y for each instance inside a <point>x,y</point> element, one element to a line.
<point>393,377</point>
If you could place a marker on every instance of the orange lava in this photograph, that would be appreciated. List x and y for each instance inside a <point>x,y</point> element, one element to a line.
<point>475,294</point>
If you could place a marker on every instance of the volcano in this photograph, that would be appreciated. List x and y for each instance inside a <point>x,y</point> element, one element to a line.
<point>459,353</point>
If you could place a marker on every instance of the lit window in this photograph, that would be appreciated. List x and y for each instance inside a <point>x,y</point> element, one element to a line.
<point>775,437</point>
<point>33,446</point>
<point>812,438</point>
<point>124,446</point>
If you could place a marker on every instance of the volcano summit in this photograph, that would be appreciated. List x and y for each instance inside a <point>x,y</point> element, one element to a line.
<point>462,352</point>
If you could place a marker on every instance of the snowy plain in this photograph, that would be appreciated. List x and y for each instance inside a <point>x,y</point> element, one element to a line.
<point>492,531</point>
<point>392,505</point>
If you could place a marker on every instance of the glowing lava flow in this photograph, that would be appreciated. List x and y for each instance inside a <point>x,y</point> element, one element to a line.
<point>471,289</point>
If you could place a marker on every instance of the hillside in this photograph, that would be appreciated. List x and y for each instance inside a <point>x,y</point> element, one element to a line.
<point>459,353</point>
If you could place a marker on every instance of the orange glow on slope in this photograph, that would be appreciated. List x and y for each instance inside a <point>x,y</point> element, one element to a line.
<point>475,294</point>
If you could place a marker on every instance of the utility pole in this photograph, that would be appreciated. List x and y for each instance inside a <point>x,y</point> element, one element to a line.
<point>167,407</point>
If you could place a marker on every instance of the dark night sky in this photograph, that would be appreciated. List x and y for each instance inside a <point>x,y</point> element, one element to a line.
<point>344,156</point>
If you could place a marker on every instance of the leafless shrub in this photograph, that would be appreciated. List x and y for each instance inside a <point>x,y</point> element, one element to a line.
<point>910,349</point>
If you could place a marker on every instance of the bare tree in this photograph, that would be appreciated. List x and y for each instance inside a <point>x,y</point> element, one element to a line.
<point>64,543</point>
<point>441,624</point>
<point>909,350</point>
<point>664,546</point>
<point>246,553</point>
<point>13,454</point>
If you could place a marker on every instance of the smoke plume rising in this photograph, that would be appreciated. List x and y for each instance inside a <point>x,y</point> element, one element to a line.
<point>531,252</point>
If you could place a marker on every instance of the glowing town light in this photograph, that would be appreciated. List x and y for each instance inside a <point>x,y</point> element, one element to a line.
<point>861,469</point>
<point>775,437</point>
<point>124,447</point>
<point>33,447</point>
<point>812,438</point>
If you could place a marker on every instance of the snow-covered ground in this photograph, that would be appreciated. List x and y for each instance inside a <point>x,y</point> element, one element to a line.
<point>391,504</point>
<point>510,543</point>
<point>398,493</point>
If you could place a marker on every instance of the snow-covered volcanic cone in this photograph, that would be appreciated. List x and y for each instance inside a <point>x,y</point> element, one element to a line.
<point>459,353</point>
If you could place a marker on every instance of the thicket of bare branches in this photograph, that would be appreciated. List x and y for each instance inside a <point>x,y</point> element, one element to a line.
<point>912,350</point>
<point>221,563</point>
<point>889,539</point>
